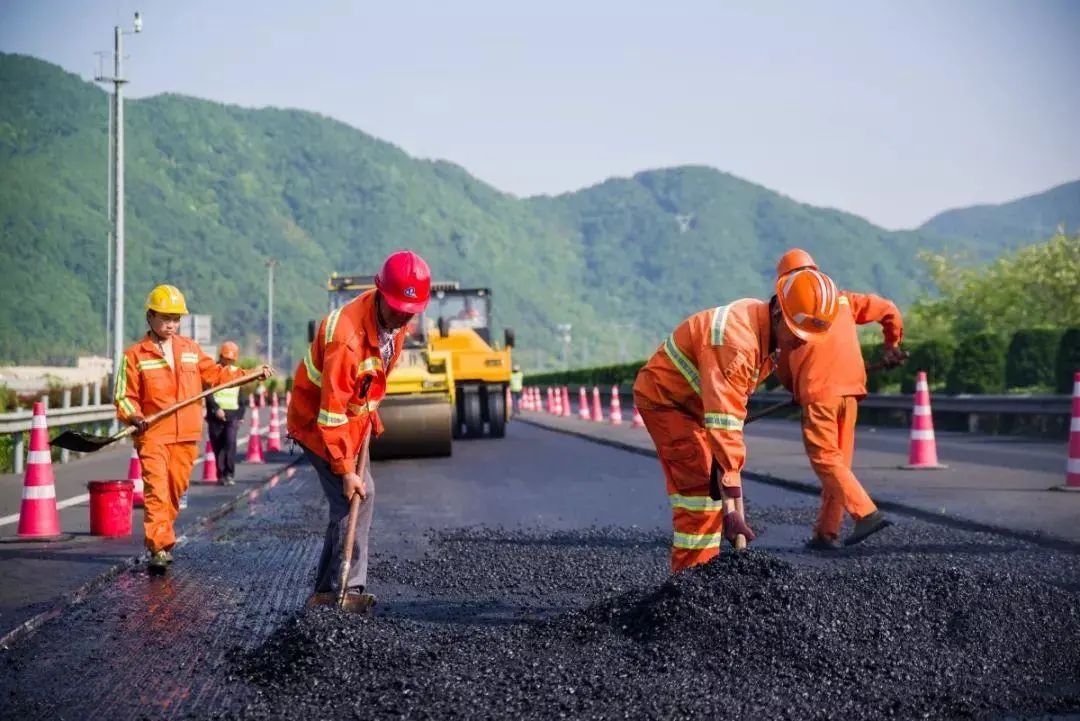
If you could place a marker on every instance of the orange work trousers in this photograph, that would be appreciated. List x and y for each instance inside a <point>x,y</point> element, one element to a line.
<point>829,436</point>
<point>166,469</point>
<point>683,449</point>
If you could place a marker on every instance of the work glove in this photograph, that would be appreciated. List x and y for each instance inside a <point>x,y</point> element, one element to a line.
<point>140,424</point>
<point>267,371</point>
<point>894,357</point>
<point>735,525</point>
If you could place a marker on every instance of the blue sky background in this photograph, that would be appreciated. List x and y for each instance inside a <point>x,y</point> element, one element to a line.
<point>891,110</point>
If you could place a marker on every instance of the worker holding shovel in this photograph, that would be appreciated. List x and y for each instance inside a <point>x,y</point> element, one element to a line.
<point>692,395</point>
<point>160,371</point>
<point>333,414</point>
<point>828,379</point>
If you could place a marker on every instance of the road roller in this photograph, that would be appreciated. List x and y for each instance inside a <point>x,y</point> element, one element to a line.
<point>480,368</point>
<point>419,410</point>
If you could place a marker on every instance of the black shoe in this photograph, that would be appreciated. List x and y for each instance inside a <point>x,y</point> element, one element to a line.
<point>866,527</point>
<point>227,481</point>
<point>158,563</point>
<point>822,543</point>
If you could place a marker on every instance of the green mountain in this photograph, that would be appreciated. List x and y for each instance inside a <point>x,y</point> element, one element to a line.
<point>1008,226</point>
<point>214,190</point>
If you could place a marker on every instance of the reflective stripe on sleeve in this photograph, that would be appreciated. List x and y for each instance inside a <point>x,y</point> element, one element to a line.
<point>719,324</point>
<point>723,421</point>
<point>326,418</point>
<point>331,326</point>
<point>314,374</point>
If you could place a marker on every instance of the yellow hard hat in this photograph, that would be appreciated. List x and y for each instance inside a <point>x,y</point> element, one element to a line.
<point>166,299</point>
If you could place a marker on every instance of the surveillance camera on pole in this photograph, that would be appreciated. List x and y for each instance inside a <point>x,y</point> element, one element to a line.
<point>138,22</point>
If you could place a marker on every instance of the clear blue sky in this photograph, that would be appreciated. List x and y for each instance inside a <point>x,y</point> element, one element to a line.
<point>892,110</point>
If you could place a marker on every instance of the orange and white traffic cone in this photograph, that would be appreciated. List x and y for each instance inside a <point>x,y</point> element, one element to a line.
<point>558,402</point>
<point>1072,466</point>
<point>597,409</point>
<point>38,515</point>
<point>209,466</point>
<point>138,493</point>
<point>922,453</point>
<point>616,408</point>
<point>637,421</point>
<point>273,437</point>
<point>567,411</point>
<point>583,404</point>
<point>254,449</point>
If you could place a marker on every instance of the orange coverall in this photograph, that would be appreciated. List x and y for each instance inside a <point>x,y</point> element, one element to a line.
<point>340,379</point>
<point>146,384</point>
<point>692,395</point>
<point>828,379</point>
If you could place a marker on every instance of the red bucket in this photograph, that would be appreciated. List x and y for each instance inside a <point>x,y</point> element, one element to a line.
<point>110,507</point>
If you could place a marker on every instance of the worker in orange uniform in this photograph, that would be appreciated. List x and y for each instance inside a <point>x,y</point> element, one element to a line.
<point>336,393</point>
<point>224,413</point>
<point>162,369</point>
<point>827,380</point>
<point>692,395</point>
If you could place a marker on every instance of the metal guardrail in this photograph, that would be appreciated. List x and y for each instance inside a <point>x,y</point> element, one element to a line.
<point>1023,404</point>
<point>17,423</point>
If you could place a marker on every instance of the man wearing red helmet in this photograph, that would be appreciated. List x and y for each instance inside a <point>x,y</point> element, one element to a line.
<point>337,389</point>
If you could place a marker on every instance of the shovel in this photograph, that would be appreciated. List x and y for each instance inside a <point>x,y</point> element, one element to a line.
<point>86,443</point>
<point>354,515</point>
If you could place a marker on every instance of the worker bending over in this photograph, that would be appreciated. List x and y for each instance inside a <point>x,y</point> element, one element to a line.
<point>336,393</point>
<point>827,380</point>
<point>224,413</point>
<point>162,369</point>
<point>693,392</point>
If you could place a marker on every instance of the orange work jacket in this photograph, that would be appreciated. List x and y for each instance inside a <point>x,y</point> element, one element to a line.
<point>340,383</point>
<point>145,384</point>
<point>708,368</point>
<point>833,367</point>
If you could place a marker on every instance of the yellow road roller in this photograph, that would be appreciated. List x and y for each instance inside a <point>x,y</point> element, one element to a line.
<point>479,367</point>
<point>420,405</point>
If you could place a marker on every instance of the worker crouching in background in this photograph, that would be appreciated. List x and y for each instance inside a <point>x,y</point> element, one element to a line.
<point>336,393</point>
<point>224,413</point>
<point>693,393</point>
<point>828,379</point>
<point>160,370</point>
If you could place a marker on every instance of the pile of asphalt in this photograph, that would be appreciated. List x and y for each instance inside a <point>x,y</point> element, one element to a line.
<point>951,625</point>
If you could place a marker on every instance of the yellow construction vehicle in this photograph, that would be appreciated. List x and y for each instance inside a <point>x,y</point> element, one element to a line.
<point>419,409</point>
<point>480,371</point>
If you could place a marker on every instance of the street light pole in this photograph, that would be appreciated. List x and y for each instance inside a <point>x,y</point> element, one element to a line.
<point>270,313</point>
<point>118,82</point>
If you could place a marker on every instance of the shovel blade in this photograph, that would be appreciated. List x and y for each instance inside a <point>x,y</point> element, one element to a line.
<point>81,442</point>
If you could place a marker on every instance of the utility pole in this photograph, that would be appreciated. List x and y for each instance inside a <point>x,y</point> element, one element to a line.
<point>270,313</point>
<point>564,329</point>
<point>118,81</point>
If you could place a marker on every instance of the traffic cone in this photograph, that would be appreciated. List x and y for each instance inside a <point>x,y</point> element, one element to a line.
<point>1072,466</point>
<point>138,494</point>
<point>254,449</point>
<point>288,398</point>
<point>566,410</point>
<point>273,437</point>
<point>38,516</point>
<point>209,466</point>
<point>922,454</point>
<point>583,404</point>
<point>616,408</point>
<point>597,410</point>
<point>510,402</point>
<point>637,421</point>
<point>558,402</point>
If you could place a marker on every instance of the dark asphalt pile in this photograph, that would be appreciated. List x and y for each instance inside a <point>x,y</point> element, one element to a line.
<point>911,634</point>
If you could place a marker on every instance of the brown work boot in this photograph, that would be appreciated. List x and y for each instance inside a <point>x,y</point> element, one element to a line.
<point>358,602</point>
<point>866,527</point>
<point>321,598</point>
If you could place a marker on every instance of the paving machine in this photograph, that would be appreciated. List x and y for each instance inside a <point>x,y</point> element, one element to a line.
<point>480,368</point>
<point>420,405</point>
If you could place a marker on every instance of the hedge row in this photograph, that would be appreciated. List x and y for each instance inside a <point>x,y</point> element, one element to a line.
<point>1038,358</point>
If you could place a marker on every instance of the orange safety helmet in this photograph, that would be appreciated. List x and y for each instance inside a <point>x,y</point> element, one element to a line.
<point>809,302</point>
<point>793,260</point>
<point>405,282</point>
<point>229,351</point>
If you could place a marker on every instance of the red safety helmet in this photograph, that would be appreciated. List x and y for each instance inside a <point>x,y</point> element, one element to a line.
<point>405,282</point>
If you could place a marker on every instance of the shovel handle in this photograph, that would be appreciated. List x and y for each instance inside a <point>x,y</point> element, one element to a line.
<point>242,380</point>
<point>354,515</point>
<point>769,410</point>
